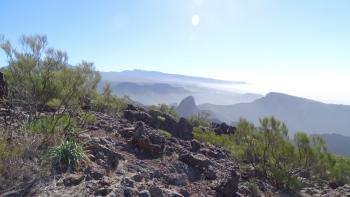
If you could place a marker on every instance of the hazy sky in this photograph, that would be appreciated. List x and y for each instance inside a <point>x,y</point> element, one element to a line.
<point>300,47</point>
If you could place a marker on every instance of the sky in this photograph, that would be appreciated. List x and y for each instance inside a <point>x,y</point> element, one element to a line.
<point>296,47</point>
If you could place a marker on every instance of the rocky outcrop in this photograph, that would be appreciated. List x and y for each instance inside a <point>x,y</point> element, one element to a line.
<point>124,160</point>
<point>229,185</point>
<point>223,128</point>
<point>183,129</point>
<point>162,120</point>
<point>131,158</point>
<point>102,152</point>
<point>178,128</point>
<point>200,163</point>
<point>187,108</point>
<point>141,140</point>
<point>137,115</point>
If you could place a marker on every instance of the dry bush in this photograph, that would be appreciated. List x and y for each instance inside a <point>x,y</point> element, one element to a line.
<point>20,161</point>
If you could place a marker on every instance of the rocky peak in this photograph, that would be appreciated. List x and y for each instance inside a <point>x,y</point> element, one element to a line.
<point>187,107</point>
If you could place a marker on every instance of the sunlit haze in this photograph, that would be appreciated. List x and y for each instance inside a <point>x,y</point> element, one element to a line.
<point>296,47</point>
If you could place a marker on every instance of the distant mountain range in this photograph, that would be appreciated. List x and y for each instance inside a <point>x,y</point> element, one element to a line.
<point>338,144</point>
<point>150,94</point>
<point>160,88</point>
<point>158,77</point>
<point>151,87</point>
<point>299,114</point>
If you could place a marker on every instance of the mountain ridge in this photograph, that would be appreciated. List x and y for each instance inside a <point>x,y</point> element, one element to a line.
<point>298,113</point>
<point>157,74</point>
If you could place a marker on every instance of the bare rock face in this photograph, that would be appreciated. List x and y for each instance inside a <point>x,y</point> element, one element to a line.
<point>181,129</point>
<point>187,107</point>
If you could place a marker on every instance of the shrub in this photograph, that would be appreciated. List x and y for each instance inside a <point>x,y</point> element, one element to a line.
<point>67,155</point>
<point>19,161</point>
<point>164,133</point>
<point>198,121</point>
<point>7,153</point>
<point>88,118</point>
<point>108,103</point>
<point>204,134</point>
<point>50,125</point>
<point>40,77</point>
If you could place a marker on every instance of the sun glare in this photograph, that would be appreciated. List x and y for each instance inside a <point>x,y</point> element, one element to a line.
<point>195,20</point>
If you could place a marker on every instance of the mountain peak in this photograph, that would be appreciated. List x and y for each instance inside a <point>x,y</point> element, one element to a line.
<point>277,94</point>
<point>187,107</point>
<point>188,100</point>
<point>281,97</point>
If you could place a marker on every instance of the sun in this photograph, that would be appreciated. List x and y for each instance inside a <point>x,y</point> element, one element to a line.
<point>195,20</point>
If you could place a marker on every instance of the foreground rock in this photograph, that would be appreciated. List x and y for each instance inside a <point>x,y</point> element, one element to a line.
<point>158,120</point>
<point>141,140</point>
<point>131,158</point>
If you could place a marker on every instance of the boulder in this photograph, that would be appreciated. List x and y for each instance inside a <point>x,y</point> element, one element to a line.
<point>172,193</point>
<point>142,141</point>
<point>201,163</point>
<point>144,193</point>
<point>102,191</point>
<point>134,115</point>
<point>73,179</point>
<point>95,172</point>
<point>103,152</point>
<point>223,128</point>
<point>183,130</point>
<point>214,153</point>
<point>195,146</point>
<point>156,191</point>
<point>229,185</point>
<point>195,160</point>
<point>162,120</point>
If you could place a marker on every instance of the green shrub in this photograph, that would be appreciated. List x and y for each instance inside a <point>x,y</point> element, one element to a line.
<point>39,76</point>
<point>199,121</point>
<point>50,125</point>
<point>68,155</point>
<point>88,118</point>
<point>254,189</point>
<point>164,133</point>
<point>204,134</point>
<point>108,103</point>
<point>161,118</point>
